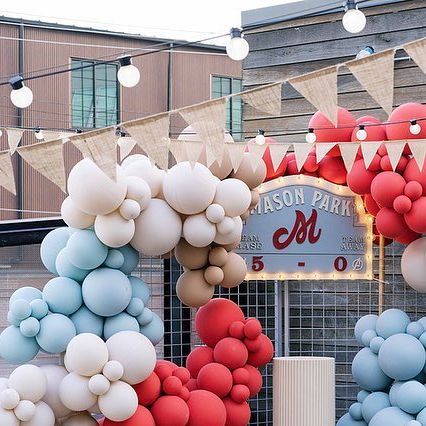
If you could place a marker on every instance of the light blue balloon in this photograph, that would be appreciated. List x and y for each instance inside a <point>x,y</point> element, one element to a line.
<point>422,339</point>
<point>413,423</point>
<point>367,322</point>
<point>27,293</point>
<point>393,392</point>
<point>56,331</point>
<point>135,307</point>
<point>154,331</point>
<point>145,317</point>
<point>66,269</point>
<point>30,327</point>
<point>374,403</point>
<point>16,348</point>
<point>140,289</point>
<point>120,322</point>
<point>376,343</point>
<point>392,321</point>
<point>85,321</point>
<point>411,397</point>
<point>115,259</point>
<point>20,309</point>
<point>131,259</point>
<point>347,420</point>
<point>421,417</point>
<point>12,320</point>
<point>402,357</point>
<point>355,411</point>
<point>106,292</point>
<point>367,372</point>
<point>422,321</point>
<point>368,336</point>
<point>63,295</point>
<point>391,416</point>
<point>415,329</point>
<point>362,394</point>
<point>39,308</point>
<point>85,251</point>
<point>51,245</point>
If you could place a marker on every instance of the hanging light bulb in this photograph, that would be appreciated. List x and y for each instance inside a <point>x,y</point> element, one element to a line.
<point>237,48</point>
<point>21,96</point>
<point>415,128</point>
<point>311,137</point>
<point>260,137</point>
<point>128,75</point>
<point>39,134</point>
<point>361,134</point>
<point>354,19</point>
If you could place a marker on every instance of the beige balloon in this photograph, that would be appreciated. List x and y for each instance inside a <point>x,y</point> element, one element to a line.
<point>113,230</point>
<point>231,246</point>
<point>138,190</point>
<point>255,198</point>
<point>413,265</point>
<point>234,196</point>
<point>213,275</point>
<point>191,257</point>
<point>218,256</point>
<point>233,236</point>
<point>245,172</point>
<point>193,290</point>
<point>198,230</point>
<point>74,217</point>
<point>245,215</point>
<point>234,270</point>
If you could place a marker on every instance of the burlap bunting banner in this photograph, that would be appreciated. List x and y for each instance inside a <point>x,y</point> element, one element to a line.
<point>13,138</point>
<point>301,152</point>
<point>178,150</point>
<point>394,150</point>
<point>376,74</point>
<point>278,152</point>
<point>236,154</point>
<point>323,148</point>
<point>349,152</point>
<point>417,51</point>
<point>48,159</point>
<point>256,152</point>
<point>193,150</point>
<point>126,144</point>
<point>266,99</point>
<point>320,89</point>
<point>7,178</point>
<point>152,135</point>
<point>369,150</point>
<point>51,135</point>
<point>418,149</point>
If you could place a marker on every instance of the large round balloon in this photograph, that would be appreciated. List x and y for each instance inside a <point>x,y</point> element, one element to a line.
<point>191,257</point>
<point>400,121</point>
<point>149,390</point>
<point>63,295</point>
<point>391,416</point>
<point>413,265</point>
<point>392,321</point>
<point>119,403</point>
<point>85,321</point>
<point>367,322</point>
<point>114,230</point>
<point>170,410</point>
<point>74,217</point>
<point>142,417</point>
<point>56,331</point>
<point>16,348</point>
<point>29,381</point>
<point>192,289</point>
<point>198,358</point>
<point>415,218</point>
<point>389,223</point>
<point>51,245</point>
<point>234,270</point>
<point>234,196</point>
<point>198,231</point>
<point>66,269</point>
<point>43,415</point>
<point>205,408</point>
<point>75,394</point>
<point>216,378</point>
<point>333,169</point>
<point>359,179</point>
<point>252,178</point>
<point>373,403</point>
<point>386,186</point>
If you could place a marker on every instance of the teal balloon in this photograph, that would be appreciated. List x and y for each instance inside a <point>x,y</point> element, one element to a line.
<point>368,336</point>
<point>16,348</point>
<point>402,357</point>
<point>85,321</point>
<point>66,269</point>
<point>393,392</point>
<point>154,331</point>
<point>120,322</point>
<point>361,395</point>
<point>106,292</point>
<point>367,322</point>
<point>56,331</point>
<point>376,343</point>
<point>145,317</point>
<point>20,309</point>
<point>50,247</point>
<point>85,251</point>
<point>415,329</point>
<point>355,411</point>
<point>411,397</point>
<point>374,403</point>
<point>347,420</point>
<point>39,308</point>
<point>135,307</point>
<point>392,321</point>
<point>140,289</point>
<point>367,372</point>
<point>27,293</point>
<point>115,259</point>
<point>12,320</point>
<point>131,259</point>
<point>63,295</point>
<point>391,416</point>
<point>30,327</point>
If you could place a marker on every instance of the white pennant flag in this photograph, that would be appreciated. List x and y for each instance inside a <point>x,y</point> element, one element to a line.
<point>256,152</point>
<point>301,152</point>
<point>417,51</point>
<point>13,138</point>
<point>193,151</point>
<point>236,153</point>
<point>418,149</point>
<point>349,152</point>
<point>126,145</point>
<point>178,150</point>
<point>323,148</point>
<point>7,178</point>
<point>266,98</point>
<point>395,149</point>
<point>369,150</point>
<point>278,152</point>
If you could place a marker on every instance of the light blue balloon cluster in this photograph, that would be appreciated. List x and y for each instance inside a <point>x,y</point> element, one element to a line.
<point>93,293</point>
<point>391,370</point>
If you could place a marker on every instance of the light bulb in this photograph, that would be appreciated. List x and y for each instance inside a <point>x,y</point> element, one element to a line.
<point>260,137</point>
<point>128,75</point>
<point>361,134</point>
<point>39,135</point>
<point>1,132</point>
<point>354,20</point>
<point>237,48</point>
<point>311,137</point>
<point>415,128</point>
<point>21,96</point>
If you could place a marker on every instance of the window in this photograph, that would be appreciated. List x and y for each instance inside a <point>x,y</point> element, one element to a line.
<point>222,86</point>
<point>94,94</point>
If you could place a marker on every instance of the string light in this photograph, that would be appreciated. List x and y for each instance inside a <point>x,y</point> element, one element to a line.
<point>39,134</point>
<point>415,128</point>
<point>361,134</point>
<point>128,75</point>
<point>21,95</point>
<point>311,137</point>
<point>354,20</point>
<point>260,137</point>
<point>237,48</point>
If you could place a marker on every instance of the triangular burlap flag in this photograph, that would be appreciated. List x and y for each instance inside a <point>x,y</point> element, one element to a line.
<point>266,98</point>
<point>65,136</point>
<point>256,152</point>
<point>101,147</point>
<point>301,152</point>
<point>193,150</point>
<point>152,135</point>
<point>320,89</point>
<point>126,145</point>
<point>13,138</point>
<point>208,120</point>
<point>236,154</point>
<point>278,152</point>
<point>50,135</point>
<point>48,159</point>
<point>349,152</point>
<point>376,75</point>
<point>417,51</point>
<point>418,149</point>
<point>178,150</point>
<point>395,149</point>
<point>323,148</point>
<point>369,150</point>
<point>7,178</point>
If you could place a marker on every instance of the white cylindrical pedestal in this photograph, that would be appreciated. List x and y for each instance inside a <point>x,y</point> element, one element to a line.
<point>303,391</point>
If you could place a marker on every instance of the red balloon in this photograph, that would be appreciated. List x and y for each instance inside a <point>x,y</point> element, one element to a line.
<point>183,374</point>
<point>170,411</point>
<point>292,168</point>
<point>375,163</point>
<point>386,186</point>
<point>236,329</point>
<point>255,380</point>
<point>253,345</point>
<point>198,358</point>
<point>263,355</point>
<point>236,414</point>
<point>192,385</point>
<point>402,204</point>
<point>231,352</point>
<point>416,217</point>
<point>368,119</point>
<point>311,165</point>
<point>184,393</point>
<point>270,172</point>
<point>389,223</point>
<point>241,376</point>
<point>382,151</point>
<point>405,113</point>
<point>412,173</point>
<point>148,390</point>
<point>374,132</point>
<point>205,409</point>
<point>408,237</point>
<point>252,328</point>
<point>413,190</point>
<point>212,320</point>
<point>359,178</point>
<point>172,386</point>
<point>333,169</point>
<point>215,378</point>
<point>240,393</point>
<point>142,417</point>
<point>385,164</point>
<point>163,371</point>
<point>370,205</point>
<point>376,235</point>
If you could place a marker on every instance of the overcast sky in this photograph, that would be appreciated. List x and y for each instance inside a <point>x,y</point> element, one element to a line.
<point>185,19</point>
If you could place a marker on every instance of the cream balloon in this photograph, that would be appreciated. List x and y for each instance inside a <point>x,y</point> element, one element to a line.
<point>114,230</point>
<point>138,190</point>
<point>92,191</point>
<point>129,209</point>
<point>189,190</point>
<point>74,217</point>
<point>413,265</point>
<point>233,236</point>
<point>198,230</point>
<point>215,213</point>
<point>191,257</point>
<point>99,384</point>
<point>8,418</point>
<point>29,381</point>
<point>234,270</point>
<point>131,159</point>
<point>119,403</point>
<point>226,226</point>
<point>245,172</point>
<point>81,419</point>
<point>234,196</point>
<point>113,371</point>
<point>75,394</point>
<point>25,410</point>
<point>158,229</point>
<point>9,399</point>
<point>193,290</point>
<point>43,415</point>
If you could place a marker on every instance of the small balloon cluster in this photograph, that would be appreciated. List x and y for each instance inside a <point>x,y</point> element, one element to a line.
<point>390,370</point>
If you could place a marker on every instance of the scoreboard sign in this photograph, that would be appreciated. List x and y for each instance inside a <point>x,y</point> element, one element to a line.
<point>307,228</point>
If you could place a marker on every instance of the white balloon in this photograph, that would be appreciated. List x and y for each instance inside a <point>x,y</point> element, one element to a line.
<point>25,410</point>
<point>158,229</point>
<point>130,209</point>
<point>86,355</point>
<point>198,231</point>
<point>75,393</point>
<point>234,196</point>
<point>413,265</point>
<point>29,381</point>
<point>9,399</point>
<point>138,190</point>
<point>8,418</point>
<point>113,230</point>
<point>226,226</point>
<point>119,403</point>
<point>135,353</point>
<point>43,416</point>
<point>215,213</point>
<point>233,236</point>
<point>131,159</point>
<point>74,217</point>
<point>81,419</point>
<point>113,371</point>
<point>92,191</point>
<point>189,190</point>
<point>99,384</point>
